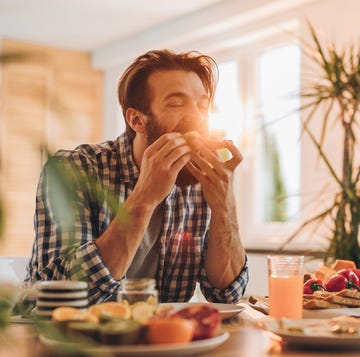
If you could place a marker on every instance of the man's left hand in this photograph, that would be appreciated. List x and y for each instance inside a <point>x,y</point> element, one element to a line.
<point>215,175</point>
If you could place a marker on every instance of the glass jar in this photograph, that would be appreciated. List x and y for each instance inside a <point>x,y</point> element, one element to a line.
<point>138,289</point>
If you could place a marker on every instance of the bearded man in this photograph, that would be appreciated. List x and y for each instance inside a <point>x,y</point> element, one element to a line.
<point>157,202</point>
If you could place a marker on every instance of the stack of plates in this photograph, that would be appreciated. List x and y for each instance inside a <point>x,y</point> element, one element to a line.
<point>57,293</point>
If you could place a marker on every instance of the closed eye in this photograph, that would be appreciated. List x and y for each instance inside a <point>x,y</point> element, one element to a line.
<point>175,103</point>
<point>204,105</point>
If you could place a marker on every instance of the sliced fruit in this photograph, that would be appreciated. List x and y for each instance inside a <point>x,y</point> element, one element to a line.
<point>206,318</point>
<point>142,311</point>
<point>84,328</point>
<point>343,264</point>
<point>152,300</point>
<point>120,332</point>
<point>111,308</point>
<point>63,314</point>
<point>170,330</point>
<point>164,311</point>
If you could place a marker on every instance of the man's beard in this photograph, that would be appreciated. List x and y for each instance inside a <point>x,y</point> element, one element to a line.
<point>154,131</point>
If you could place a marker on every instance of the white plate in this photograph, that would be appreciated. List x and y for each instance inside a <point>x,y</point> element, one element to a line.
<point>226,310</point>
<point>18,319</point>
<point>329,313</point>
<point>61,285</point>
<point>62,295</point>
<point>348,342</point>
<point>48,312</point>
<point>72,303</point>
<point>190,348</point>
<point>316,333</point>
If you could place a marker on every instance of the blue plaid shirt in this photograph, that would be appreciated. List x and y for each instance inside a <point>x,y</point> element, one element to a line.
<point>68,251</point>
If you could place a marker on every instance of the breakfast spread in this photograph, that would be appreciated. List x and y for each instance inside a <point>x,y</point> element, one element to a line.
<point>333,287</point>
<point>118,323</point>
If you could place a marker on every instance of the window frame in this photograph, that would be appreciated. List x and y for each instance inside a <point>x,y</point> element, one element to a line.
<point>267,235</point>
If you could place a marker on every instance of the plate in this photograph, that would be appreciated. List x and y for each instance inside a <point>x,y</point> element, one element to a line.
<point>18,319</point>
<point>190,348</point>
<point>82,303</point>
<point>329,313</point>
<point>56,285</point>
<point>316,333</point>
<point>350,342</point>
<point>62,295</point>
<point>226,310</point>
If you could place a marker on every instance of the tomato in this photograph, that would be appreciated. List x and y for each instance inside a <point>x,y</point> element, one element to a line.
<point>207,319</point>
<point>163,330</point>
<point>351,276</point>
<point>357,272</point>
<point>336,282</point>
<point>312,285</point>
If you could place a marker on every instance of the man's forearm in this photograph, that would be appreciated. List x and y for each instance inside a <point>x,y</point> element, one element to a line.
<point>119,243</point>
<point>225,254</point>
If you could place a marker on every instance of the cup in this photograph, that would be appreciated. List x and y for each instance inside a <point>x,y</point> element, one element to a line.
<point>286,282</point>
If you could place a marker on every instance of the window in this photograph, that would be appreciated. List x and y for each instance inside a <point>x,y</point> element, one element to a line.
<point>226,119</point>
<point>256,106</point>
<point>278,169</point>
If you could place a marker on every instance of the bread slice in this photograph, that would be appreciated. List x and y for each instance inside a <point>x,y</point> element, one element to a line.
<point>313,304</point>
<point>349,293</point>
<point>337,299</point>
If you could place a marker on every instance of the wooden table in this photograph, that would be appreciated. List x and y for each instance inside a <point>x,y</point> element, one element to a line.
<point>21,340</point>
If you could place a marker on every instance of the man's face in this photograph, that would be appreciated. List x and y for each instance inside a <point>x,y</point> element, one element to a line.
<point>179,103</point>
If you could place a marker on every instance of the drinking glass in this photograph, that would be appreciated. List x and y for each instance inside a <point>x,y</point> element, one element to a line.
<point>286,285</point>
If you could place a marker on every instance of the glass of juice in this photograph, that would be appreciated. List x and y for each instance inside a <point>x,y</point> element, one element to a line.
<point>286,285</point>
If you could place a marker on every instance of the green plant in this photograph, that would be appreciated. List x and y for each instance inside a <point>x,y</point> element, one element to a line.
<point>335,96</point>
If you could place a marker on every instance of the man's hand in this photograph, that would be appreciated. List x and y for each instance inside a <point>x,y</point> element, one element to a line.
<point>160,166</point>
<point>215,175</point>
<point>225,254</point>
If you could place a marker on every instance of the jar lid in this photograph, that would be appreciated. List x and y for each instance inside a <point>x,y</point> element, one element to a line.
<point>138,283</point>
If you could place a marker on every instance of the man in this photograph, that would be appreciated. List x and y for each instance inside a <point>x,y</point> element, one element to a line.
<point>176,221</point>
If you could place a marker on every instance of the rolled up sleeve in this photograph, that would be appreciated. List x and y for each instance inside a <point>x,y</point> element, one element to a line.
<point>231,294</point>
<point>64,246</point>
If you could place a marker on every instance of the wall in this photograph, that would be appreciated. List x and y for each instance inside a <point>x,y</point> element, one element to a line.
<point>258,284</point>
<point>50,97</point>
<point>230,26</point>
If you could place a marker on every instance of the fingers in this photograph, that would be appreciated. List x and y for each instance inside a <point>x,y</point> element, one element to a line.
<point>195,171</point>
<point>163,140</point>
<point>236,155</point>
<point>171,150</point>
<point>213,160</point>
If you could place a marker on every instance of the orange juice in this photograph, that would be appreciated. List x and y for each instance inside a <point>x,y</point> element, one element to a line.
<point>286,295</point>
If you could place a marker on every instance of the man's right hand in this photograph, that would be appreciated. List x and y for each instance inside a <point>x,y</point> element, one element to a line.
<point>160,166</point>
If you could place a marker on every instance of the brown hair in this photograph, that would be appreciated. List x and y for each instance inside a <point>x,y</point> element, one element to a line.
<point>133,90</point>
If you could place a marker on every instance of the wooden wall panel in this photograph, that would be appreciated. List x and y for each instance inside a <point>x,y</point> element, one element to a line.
<point>52,97</point>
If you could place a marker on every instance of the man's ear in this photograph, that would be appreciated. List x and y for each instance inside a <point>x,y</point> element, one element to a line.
<point>136,120</point>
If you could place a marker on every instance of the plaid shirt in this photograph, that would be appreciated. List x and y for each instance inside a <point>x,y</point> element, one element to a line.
<point>68,251</point>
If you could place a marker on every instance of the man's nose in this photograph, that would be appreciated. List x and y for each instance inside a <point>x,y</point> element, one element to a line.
<point>194,122</point>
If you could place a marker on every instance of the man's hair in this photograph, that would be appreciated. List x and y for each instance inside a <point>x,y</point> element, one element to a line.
<point>133,91</point>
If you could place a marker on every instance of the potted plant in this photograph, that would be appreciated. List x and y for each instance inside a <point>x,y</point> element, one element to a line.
<point>335,95</point>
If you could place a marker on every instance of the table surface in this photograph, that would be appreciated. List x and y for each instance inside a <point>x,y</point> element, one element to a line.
<point>245,340</point>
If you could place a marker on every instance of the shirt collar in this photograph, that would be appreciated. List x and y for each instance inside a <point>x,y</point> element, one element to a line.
<point>128,170</point>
